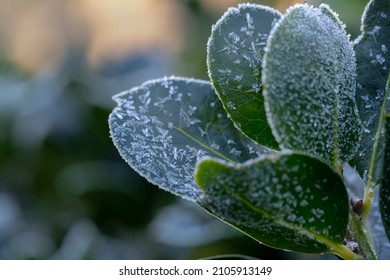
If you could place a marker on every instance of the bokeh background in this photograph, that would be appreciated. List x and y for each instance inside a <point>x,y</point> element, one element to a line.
<point>65,193</point>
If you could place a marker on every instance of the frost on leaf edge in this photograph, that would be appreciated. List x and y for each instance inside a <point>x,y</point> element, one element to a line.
<point>118,100</point>
<point>272,158</point>
<point>228,12</point>
<point>327,11</point>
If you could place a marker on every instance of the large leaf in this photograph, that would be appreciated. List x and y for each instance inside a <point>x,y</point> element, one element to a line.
<point>234,57</point>
<point>164,126</point>
<point>287,201</point>
<point>384,191</point>
<point>373,63</point>
<point>309,84</point>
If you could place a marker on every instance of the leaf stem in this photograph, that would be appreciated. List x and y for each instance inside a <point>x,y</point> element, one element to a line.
<point>339,249</point>
<point>372,181</point>
<point>357,226</point>
<point>345,253</point>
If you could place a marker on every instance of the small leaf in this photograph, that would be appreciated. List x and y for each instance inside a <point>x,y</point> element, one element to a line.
<point>164,126</point>
<point>384,191</point>
<point>287,201</point>
<point>309,85</point>
<point>373,63</point>
<point>234,57</point>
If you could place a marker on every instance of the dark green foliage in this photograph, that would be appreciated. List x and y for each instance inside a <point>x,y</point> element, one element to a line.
<point>292,206</point>
<point>234,57</point>
<point>372,69</point>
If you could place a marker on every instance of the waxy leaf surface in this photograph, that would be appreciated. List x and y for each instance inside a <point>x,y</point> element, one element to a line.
<point>287,201</point>
<point>373,63</point>
<point>164,126</point>
<point>234,57</point>
<point>309,85</point>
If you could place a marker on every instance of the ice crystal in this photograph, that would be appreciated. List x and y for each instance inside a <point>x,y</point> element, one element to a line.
<point>284,205</point>
<point>235,53</point>
<point>164,126</point>
<point>309,85</point>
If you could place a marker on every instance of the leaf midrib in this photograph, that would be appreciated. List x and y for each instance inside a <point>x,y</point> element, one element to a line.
<point>322,239</point>
<point>336,135</point>
<point>212,150</point>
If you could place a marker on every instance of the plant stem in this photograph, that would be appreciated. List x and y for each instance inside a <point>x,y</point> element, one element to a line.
<point>345,253</point>
<point>339,249</point>
<point>357,226</point>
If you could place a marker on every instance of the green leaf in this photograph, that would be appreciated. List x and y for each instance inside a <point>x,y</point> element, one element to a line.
<point>373,63</point>
<point>234,57</point>
<point>289,201</point>
<point>384,191</point>
<point>309,85</point>
<point>164,126</point>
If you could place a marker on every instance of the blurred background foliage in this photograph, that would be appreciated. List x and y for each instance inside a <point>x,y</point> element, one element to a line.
<point>65,193</point>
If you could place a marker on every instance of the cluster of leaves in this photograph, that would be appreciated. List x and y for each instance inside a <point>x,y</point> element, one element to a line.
<point>292,105</point>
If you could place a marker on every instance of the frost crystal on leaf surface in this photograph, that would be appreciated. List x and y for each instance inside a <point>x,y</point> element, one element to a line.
<point>235,52</point>
<point>278,200</point>
<point>164,126</point>
<point>373,66</point>
<point>309,84</point>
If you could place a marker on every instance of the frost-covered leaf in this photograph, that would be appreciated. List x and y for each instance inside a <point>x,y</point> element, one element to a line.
<point>372,49</point>
<point>164,126</point>
<point>384,191</point>
<point>234,57</point>
<point>287,201</point>
<point>309,84</point>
